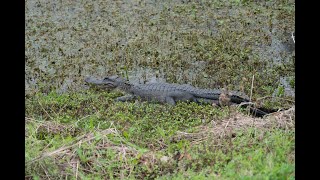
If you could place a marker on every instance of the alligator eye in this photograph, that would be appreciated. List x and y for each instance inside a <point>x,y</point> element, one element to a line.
<point>107,80</point>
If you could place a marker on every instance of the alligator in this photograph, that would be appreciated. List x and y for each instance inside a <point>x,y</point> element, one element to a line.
<point>171,93</point>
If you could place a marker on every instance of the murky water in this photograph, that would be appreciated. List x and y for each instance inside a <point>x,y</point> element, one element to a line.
<point>152,40</point>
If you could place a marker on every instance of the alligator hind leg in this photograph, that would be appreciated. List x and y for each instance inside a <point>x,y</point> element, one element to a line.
<point>179,96</point>
<point>170,100</point>
<point>207,101</point>
<point>125,98</point>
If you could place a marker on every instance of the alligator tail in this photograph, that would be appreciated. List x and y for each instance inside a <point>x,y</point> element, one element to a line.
<point>260,112</point>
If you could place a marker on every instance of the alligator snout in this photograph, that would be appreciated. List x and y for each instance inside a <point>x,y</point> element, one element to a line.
<point>91,80</point>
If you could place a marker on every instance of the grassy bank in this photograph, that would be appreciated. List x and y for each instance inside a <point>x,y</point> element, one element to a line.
<point>88,135</point>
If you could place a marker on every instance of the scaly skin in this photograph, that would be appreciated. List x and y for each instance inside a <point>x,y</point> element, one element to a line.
<point>172,93</point>
<point>161,91</point>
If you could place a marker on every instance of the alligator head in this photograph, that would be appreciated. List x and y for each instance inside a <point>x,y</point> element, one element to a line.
<point>110,83</point>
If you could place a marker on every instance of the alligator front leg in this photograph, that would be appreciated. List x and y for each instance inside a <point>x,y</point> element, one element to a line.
<point>125,98</point>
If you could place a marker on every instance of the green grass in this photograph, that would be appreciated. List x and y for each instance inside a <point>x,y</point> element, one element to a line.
<point>135,140</point>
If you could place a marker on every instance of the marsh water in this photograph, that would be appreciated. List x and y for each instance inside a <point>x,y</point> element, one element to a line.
<point>204,43</point>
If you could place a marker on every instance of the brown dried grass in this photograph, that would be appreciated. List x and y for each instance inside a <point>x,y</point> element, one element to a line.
<point>238,121</point>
